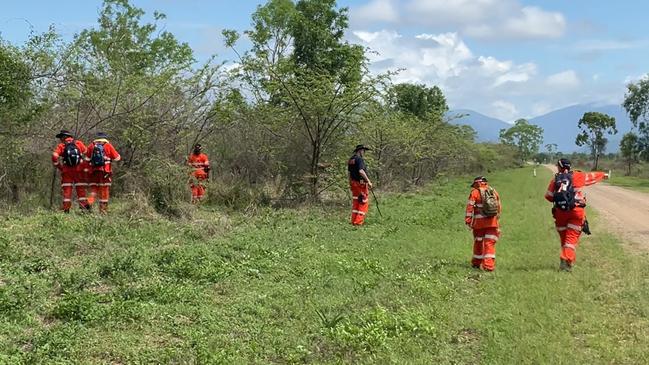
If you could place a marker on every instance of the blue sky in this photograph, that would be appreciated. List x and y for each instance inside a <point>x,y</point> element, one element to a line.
<point>504,58</point>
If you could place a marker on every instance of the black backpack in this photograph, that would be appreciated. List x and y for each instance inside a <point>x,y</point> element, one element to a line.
<point>98,155</point>
<point>71,154</point>
<point>564,191</point>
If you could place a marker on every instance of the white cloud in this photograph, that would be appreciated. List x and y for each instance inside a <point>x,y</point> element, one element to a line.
<point>564,80</point>
<point>484,19</point>
<point>599,45</point>
<point>376,11</point>
<point>505,110</point>
<point>497,87</point>
<point>534,22</point>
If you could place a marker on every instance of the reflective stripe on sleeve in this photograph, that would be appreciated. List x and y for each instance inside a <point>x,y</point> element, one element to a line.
<point>490,256</point>
<point>63,185</point>
<point>358,212</point>
<point>491,237</point>
<point>561,229</point>
<point>479,257</point>
<point>478,238</point>
<point>569,246</point>
<point>67,200</point>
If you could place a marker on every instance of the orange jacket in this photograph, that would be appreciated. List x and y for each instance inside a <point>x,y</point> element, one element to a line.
<point>474,216</point>
<point>110,155</point>
<point>579,181</point>
<point>200,163</point>
<point>58,151</point>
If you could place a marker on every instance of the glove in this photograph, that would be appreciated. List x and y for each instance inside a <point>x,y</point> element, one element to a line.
<point>361,198</point>
<point>586,228</point>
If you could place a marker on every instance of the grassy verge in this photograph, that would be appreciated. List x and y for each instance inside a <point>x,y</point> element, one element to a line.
<point>630,182</point>
<point>302,286</point>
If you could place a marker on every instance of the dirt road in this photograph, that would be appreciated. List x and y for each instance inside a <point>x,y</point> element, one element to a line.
<point>626,212</point>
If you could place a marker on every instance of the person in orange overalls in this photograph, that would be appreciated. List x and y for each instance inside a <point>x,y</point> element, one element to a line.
<point>68,158</point>
<point>486,228</point>
<point>566,193</point>
<point>100,155</point>
<point>359,184</point>
<point>201,165</point>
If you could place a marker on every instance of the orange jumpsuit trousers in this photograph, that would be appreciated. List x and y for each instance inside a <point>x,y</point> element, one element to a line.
<point>360,201</point>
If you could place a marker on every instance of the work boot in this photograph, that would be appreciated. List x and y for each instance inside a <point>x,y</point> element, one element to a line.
<point>475,266</point>
<point>565,266</point>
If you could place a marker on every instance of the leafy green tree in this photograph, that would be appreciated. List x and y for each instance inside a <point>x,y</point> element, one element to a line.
<point>319,45</point>
<point>630,149</point>
<point>526,137</point>
<point>551,149</point>
<point>322,87</point>
<point>593,126</point>
<point>418,100</point>
<point>15,93</point>
<point>636,103</point>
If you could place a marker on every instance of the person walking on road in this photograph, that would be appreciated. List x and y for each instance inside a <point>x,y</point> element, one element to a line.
<point>566,193</point>
<point>359,184</point>
<point>483,211</point>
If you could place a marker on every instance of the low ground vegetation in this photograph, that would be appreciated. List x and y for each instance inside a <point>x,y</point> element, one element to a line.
<point>302,286</point>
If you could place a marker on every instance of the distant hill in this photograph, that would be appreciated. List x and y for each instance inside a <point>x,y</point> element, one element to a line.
<point>488,128</point>
<point>560,126</point>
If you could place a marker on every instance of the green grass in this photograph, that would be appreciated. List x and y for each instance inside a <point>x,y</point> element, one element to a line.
<point>302,286</point>
<point>630,182</point>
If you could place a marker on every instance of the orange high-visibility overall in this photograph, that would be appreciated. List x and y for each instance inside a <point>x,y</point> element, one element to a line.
<point>199,163</point>
<point>486,230</point>
<point>101,176</point>
<point>360,201</point>
<point>569,223</point>
<point>71,176</point>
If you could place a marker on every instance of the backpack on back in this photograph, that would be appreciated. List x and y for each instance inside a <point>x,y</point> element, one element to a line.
<point>490,202</point>
<point>71,154</point>
<point>564,191</point>
<point>98,154</point>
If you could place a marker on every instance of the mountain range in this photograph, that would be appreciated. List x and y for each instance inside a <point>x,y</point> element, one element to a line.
<point>559,126</point>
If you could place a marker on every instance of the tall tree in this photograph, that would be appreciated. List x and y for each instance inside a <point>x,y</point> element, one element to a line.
<point>551,149</point>
<point>319,44</point>
<point>526,137</point>
<point>630,148</point>
<point>593,126</point>
<point>636,103</point>
<point>418,100</point>
<point>324,85</point>
<point>15,97</point>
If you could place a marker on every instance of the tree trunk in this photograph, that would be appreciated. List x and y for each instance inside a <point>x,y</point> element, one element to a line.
<point>315,159</point>
<point>15,193</point>
<point>596,161</point>
<point>629,169</point>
